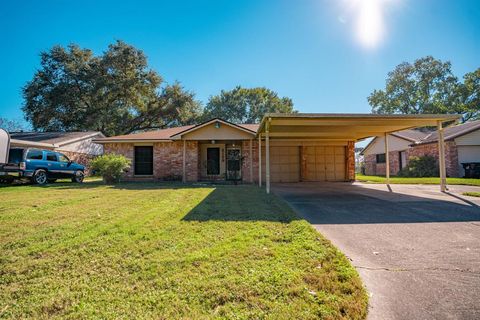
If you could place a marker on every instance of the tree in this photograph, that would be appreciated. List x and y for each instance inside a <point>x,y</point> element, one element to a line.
<point>242,105</point>
<point>426,86</point>
<point>469,95</point>
<point>11,125</point>
<point>116,93</point>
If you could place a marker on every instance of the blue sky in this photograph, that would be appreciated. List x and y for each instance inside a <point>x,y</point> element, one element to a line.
<point>308,50</point>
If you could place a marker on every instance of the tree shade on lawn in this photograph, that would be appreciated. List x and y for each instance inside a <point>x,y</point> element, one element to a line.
<point>166,251</point>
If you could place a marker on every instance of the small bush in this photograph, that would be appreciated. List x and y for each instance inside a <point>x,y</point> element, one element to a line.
<point>424,166</point>
<point>110,166</point>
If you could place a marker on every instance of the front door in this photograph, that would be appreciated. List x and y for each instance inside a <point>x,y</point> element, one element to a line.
<point>213,161</point>
<point>234,164</point>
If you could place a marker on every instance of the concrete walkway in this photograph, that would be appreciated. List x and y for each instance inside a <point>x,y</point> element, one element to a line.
<point>416,249</point>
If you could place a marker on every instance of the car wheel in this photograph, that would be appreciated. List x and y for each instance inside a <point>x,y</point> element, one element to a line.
<point>78,177</point>
<point>40,177</point>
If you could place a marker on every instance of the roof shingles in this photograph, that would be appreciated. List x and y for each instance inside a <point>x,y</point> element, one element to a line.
<point>452,132</point>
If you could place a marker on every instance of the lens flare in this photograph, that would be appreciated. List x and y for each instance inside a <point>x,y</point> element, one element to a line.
<point>367,17</point>
<point>369,25</point>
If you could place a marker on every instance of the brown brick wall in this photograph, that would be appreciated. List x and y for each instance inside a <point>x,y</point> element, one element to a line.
<point>373,168</point>
<point>246,161</point>
<point>167,159</point>
<point>451,155</point>
<point>350,161</point>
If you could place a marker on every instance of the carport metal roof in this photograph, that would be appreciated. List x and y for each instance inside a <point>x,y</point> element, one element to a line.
<point>334,126</point>
<point>346,127</point>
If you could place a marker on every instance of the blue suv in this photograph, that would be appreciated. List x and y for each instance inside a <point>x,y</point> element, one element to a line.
<point>41,166</point>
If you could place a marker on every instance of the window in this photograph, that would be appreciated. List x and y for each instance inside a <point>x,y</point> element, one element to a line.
<point>15,156</point>
<point>381,158</point>
<point>143,160</point>
<point>51,156</point>
<point>62,158</point>
<point>35,154</point>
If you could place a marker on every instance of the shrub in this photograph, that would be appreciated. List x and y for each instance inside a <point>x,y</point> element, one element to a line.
<point>110,166</point>
<point>424,166</point>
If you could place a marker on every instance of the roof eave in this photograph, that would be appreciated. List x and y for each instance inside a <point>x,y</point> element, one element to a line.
<point>32,143</point>
<point>104,141</point>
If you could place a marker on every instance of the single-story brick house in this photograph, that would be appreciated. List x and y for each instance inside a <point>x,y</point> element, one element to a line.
<point>462,144</point>
<point>77,146</point>
<point>282,148</point>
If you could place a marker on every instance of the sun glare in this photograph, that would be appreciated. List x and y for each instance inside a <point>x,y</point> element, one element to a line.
<point>368,20</point>
<point>369,25</point>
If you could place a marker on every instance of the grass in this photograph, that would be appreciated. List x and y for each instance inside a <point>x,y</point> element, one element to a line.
<point>166,252</point>
<point>472,194</point>
<point>429,180</point>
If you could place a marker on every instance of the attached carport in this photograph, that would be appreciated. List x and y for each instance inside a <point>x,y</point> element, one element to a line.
<point>320,147</point>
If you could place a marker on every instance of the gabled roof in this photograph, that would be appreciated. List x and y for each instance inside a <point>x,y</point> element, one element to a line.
<point>173,133</point>
<point>452,132</point>
<point>244,127</point>
<point>52,139</point>
<point>409,135</point>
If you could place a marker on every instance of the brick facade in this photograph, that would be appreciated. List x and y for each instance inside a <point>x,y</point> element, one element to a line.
<point>350,161</point>
<point>431,149</point>
<point>246,161</point>
<point>168,159</point>
<point>373,168</point>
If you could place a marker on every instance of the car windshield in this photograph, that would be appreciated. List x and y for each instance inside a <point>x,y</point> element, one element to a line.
<point>15,156</point>
<point>62,158</point>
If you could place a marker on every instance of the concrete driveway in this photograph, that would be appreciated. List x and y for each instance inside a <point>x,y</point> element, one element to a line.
<point>416,249</point>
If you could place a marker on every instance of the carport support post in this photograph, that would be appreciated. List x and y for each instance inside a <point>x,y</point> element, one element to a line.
<point>184,160</point>
<point>387,160</point>
<point>441,157</point>
<point>267,156</point>
<point>259,160</point>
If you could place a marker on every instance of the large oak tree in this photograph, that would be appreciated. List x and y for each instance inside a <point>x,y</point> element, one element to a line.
<point>427,86</point>
<point>246,105</point>
<point>116,93</point>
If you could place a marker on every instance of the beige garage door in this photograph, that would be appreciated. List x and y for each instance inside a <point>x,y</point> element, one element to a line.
<point>284,164</point>
<point>325,163</point>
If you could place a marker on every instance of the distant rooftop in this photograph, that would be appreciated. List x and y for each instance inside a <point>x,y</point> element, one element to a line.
<point>54,138</point>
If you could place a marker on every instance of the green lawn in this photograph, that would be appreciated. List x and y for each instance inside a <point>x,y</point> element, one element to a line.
<point>402,180</point>
<point>166,251</point>
<point>472,194</point>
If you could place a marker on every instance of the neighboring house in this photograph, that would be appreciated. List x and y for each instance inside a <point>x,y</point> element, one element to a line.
<point>399,144</point>
<point>77,146</point>
<point>462,145</point>
<point>301,147</point>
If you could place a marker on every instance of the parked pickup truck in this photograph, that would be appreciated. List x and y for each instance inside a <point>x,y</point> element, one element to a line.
<point>40,166</point>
